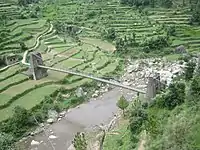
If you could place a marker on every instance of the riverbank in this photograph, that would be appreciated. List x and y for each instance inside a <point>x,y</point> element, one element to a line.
<point>80,119</point>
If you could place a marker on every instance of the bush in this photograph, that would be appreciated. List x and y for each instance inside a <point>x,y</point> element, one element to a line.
<point>122,103</point>
<point>171,30</point>
<point>154,43</point>
<point>138,116</point>
<point>189,70</point>
<point>166,3</point>
<point>194,91</point>
<point>175,96</point>
<point>136,3</point>
<point>18,124</point>
<point>195,18</point>
<point>110,34</point>
<point>79,141</point>
<point>6,141</point>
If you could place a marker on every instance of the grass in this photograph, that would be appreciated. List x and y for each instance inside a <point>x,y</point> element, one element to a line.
<point>102,44</point>
<point>173,57</point>
<point>118,139</point>
<point>9,71</point>
<point>28,101</point>
<point>11,80</point>
<point>69,63</point>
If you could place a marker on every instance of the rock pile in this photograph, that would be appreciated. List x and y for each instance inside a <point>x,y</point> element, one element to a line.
<point>137,72</point>
<point>103,88</point>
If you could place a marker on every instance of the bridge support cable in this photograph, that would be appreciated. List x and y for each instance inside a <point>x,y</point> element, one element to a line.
<point>94,78</point>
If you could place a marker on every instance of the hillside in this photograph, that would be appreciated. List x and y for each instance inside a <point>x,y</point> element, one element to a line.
<point>93,37</point>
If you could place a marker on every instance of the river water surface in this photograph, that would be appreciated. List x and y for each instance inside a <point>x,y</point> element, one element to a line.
<point>82,118</point>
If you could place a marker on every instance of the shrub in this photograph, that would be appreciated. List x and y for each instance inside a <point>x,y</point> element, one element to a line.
<point>194,91</point>
<point>189,70</point>
<point>195,18</point>
<point>166,3</point>
<point>155,43</point>
<point>175,96</point>
<point>18,124</point>
<point>138,116</point>
<point>6,141</point>
<point>136,3</point>
<point>122,103</point>
<point>171,30</point>
<point>79,141</point>
<point>110,34</point>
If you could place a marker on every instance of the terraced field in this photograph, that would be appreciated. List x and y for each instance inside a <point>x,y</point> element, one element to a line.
<point>126,20</point>
<point>89,56</point>
<point>9,9</point>
<point>185,34</point>
<point>38,35</point>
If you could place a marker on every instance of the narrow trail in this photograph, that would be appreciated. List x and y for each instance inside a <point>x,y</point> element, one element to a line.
<point>37,43</point>
<point>142,141</point>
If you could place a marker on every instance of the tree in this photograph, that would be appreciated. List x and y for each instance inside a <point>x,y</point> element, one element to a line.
<point>6,141</point>
<point>154,43</point>
<point>26,2</point>
<point>138,116</point>
<point>122,103</point>
<point>23,46</point>
<point>120,45</point>
<point>189,70</point>
<point>171,30</point>
<point>194,91</point>
<point>195,18</point>
<point>110,34</point>
<point>166,3</point>
<point>19,123</point>
<point>175,96</point>
<point>136,3</point>
<point>79,141</point>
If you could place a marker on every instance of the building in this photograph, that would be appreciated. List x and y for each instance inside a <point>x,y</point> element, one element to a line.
<point>11,59</point>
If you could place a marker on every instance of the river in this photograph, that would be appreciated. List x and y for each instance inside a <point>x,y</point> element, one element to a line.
<point>82,118</point>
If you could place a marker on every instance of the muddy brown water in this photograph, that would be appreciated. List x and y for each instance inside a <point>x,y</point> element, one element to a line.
<point>82,118</point>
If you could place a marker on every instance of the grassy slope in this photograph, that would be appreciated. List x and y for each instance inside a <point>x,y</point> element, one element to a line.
<point>28,101</point>
<point>124,20</point>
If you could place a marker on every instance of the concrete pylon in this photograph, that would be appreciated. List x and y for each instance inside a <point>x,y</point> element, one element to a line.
<point>35,60</point>
<point>151,88</point>
<point>154,86</point>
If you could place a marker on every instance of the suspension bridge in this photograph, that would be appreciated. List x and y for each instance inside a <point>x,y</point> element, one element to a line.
<point>36,62</point>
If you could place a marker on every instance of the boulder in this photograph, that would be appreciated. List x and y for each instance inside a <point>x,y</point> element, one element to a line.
<point>62,114</point>
<point>52,137</point>
<point>95,95</point>
<point>180,50</point>
<point>79,92</point>
<point>34,143</point>
<point>52,114</point>
<point>71,147</point>
<point>50,120</point>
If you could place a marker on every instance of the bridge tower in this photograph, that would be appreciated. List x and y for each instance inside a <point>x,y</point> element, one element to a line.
<point>154,86</point>
<point>35,61</point>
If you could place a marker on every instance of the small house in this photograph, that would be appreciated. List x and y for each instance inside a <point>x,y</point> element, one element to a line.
<point>11,59</point>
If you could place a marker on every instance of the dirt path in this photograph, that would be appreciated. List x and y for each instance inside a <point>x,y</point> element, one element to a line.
<point>82,118</point>
<point>142,141</point>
